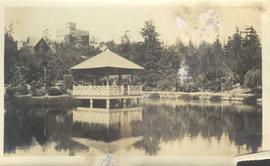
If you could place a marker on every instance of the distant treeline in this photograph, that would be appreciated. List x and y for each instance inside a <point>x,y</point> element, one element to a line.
<point>236,61</point>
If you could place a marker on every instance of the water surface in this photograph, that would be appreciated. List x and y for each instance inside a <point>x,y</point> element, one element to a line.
<point>158,128</point>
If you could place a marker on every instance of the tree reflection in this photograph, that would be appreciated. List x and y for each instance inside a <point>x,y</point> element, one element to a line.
<point>163,123</point>
<point>160,123</point>
<point>24,127</point>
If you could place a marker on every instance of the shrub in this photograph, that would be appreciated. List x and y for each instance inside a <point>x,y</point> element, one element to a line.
<point>36,85</point>
<point>250,100</point>
<point>23,90</point>
<point>68,81</point>
<point>215,98</point>
<point>55,92</point>
<point>11,91</point>
<point>253,78</point>
<point>38,92</point>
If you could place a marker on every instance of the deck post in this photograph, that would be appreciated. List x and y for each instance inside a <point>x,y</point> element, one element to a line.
<point>107,80</point>
<point>124,103</point>
<point>132,79</point>
<point>95,80</point>
<point>107,104</point>
<point>91,103</point>
<point>119,79</point>
<point>82,79</point>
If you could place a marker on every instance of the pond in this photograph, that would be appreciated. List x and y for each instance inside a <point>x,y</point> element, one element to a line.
<point>158,128</point>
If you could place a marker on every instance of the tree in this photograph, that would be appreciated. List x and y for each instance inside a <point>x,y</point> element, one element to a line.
<point>253,79</point>
<point>243,53</point>
<point>252,49</point>
<point>10,55</point>
<point>151,56</point>
<point>124,48</point>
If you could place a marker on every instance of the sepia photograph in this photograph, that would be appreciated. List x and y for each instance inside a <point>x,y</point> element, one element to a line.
<point>147,81</point>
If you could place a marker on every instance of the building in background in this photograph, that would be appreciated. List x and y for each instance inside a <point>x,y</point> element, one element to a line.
<point>44,45</point>
<point>183,73</point>
<point>71,35</point>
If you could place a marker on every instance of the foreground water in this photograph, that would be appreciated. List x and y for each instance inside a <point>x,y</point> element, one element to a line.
<point>158,128</point>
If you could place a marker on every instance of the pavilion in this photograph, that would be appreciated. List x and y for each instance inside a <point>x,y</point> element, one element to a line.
<point>101,84</point>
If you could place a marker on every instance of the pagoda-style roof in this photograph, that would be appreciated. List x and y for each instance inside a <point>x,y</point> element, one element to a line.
<point>107,62</point>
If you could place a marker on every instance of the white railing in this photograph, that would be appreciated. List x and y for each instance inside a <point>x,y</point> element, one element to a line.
<point>134,90</point>
<point>106,90</point>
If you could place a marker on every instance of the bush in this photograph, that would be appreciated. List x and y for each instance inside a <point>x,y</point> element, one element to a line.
<point>38,92</point>
<point>36,85</point>
<point>68,81</point>
<point>190,88</point>
<point>253,78</point>
<point>55,92</point>
<point>250,100</point>
<point>23,90</point>
<point>11,91</point>
<point>215,98</point>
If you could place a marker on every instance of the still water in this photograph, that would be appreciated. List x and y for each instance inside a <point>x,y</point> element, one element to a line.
<point>159,127</point>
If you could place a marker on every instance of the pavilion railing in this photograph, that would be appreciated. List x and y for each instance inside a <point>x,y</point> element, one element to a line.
<point>106,90</point>
<point>134,90</point>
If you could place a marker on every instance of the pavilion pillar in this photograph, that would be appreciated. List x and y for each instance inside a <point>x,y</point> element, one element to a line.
<point>138,102</point>
<point>119,79</point>
<point>91,103</point>
<point>95,77</point>
<point>82,79</point>
<point>107,80</point>
<point>107,104</point>
<point>132,79</point>
<point>124,103</point>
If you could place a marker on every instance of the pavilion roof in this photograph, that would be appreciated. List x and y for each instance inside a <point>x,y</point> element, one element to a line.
<point>107,59</point>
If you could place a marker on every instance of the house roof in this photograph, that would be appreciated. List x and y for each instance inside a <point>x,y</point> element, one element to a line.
<point>45,44</point>
<point>107,59</point>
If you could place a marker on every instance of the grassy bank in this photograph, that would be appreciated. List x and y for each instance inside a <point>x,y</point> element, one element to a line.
<point>43,101</point>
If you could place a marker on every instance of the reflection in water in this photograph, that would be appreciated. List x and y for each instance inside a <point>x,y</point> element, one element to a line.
<point>164,123</point>
<point>26,128</point>
<point>155,129</point>
<point>103,130</point>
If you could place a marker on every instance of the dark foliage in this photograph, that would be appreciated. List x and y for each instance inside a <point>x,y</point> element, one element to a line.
<point>23,90</point>
<point>38,92</point>
<point>54,91</point>
<point>232,61</point>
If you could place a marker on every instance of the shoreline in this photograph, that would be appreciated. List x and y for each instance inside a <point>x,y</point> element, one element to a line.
<point>46,101</point>
<point>224,96</point>
<point>208,96</point>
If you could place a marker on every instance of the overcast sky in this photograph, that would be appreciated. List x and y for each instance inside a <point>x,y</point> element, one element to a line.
<point>107,23</point>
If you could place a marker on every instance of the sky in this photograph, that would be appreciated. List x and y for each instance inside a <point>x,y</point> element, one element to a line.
<point>195,23</point>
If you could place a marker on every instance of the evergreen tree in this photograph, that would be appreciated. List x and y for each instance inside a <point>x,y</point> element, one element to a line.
<point>10,55</point>
<point>151,56</point>
<point>243,53</point>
